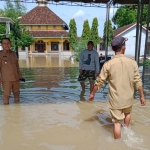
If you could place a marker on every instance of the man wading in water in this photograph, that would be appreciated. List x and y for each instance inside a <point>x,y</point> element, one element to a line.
<point>88,66</point>
<point>123,76</point>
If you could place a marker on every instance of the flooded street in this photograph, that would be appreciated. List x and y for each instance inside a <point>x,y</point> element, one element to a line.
<point>54,114</point>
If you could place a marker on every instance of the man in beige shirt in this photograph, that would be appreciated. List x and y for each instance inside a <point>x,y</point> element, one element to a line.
<point>10,72</point>
<point>123,76</point>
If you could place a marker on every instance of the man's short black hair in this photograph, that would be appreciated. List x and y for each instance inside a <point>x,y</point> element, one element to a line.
<point>5,39</point>
<point>116,48</point>
<point>90,42</point>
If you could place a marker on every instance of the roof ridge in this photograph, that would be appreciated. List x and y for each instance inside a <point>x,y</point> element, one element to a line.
<point>28,12</point>
<point>121,30</point>
<point>128,25</point>
<point>55,14</point>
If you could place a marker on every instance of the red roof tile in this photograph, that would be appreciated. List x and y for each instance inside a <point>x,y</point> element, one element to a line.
<point>41,15</point>
<point>49,33</point>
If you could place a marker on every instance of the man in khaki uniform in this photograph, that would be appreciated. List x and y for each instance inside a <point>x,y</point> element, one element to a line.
<point>123,76</point>
<point>10,72</point>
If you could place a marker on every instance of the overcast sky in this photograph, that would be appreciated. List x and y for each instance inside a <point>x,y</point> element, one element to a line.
<point>80,14</point>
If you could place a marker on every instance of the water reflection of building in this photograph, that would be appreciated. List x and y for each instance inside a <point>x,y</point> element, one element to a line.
<point>48,29</point>
<point>48,77</point>
<point>36,61</point>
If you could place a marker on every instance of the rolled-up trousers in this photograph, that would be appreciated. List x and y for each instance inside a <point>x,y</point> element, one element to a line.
<point>13,86</point>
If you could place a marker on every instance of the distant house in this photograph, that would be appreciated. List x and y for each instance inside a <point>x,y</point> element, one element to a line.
<point>47,28</point>
<point>129,31</point>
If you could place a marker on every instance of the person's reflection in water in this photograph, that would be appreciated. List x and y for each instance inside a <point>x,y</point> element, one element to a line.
<point>82,95</point>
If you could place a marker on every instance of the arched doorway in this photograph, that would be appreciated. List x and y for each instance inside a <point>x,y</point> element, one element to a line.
<point>54,46</point>
<point>66,45</point>
<point>40,46</point>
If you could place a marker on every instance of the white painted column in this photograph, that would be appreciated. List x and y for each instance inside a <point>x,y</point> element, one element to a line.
<point>62,47</point>
<point>50,47</point>
<point>27,51</point>
<point>46,47</point>
<point>59,49</point>
<point>27,62</point>
<point>98,47</point>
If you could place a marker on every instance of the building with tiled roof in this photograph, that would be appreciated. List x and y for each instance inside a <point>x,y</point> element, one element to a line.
<point>47,28</point>
<point>129,31</point>
<point>123,29</point>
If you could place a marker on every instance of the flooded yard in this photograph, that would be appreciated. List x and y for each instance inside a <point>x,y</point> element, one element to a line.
<point>54,114</point>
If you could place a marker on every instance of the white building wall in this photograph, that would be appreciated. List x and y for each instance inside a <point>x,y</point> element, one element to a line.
<point>130,44</point>
<point>148,37</point>
<point>1,47</point>
<point>110,52</point>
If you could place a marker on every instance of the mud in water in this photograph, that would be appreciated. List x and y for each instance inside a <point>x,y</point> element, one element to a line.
<point>54,114</point>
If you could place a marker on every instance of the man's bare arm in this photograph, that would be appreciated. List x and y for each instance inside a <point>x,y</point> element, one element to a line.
<point>91,97</point>
<point>142,99</point>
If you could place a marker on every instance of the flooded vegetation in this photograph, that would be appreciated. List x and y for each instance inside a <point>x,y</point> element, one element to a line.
<point>54,114</point>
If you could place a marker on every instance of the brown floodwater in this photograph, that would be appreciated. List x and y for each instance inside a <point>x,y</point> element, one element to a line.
<point>54,114</point>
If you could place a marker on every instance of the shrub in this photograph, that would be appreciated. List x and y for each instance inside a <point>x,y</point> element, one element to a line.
<point>78,48</point>
<point>147,63</point>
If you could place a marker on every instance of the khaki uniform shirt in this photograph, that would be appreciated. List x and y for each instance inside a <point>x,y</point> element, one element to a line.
<point>123,75</point>
<point>9,67</point>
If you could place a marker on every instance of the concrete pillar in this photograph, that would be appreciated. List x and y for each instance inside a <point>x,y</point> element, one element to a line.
<point>31,50</point>
<point>98,47</point>
<point>59,49</point>
<point>60,60</point>
<point>27,62</point>
<point>50,47</point>
<point>62,47</point>
<point>46,47</point>
<point>27,51</point>
<point>33,47</point>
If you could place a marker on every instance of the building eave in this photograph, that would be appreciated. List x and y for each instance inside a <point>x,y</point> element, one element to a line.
<point>5,19</point>
<point>63,25</point>
<point>44,24</point>
<point>126,30</point>
<point>129,29</point>
<point>50,37</point>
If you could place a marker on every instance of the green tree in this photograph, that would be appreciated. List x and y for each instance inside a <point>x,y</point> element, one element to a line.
<point>86,32</point>
<point>2,31</point>
<point>72,33</point>
<point>94,32</point>
<point>21,36</point>
<point>1,12</point>
<point>13,10</point>
<point>81,45</point>
<point>110,33</point>
<point>147,63</point>
<point>127,14</point>
<point>26,39</point>
<point>2,26</point>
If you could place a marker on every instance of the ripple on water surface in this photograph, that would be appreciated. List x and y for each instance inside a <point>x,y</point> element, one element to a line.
<point>70,111</point>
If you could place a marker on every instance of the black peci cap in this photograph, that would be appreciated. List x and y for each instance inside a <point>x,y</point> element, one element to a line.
<point>118,41</point>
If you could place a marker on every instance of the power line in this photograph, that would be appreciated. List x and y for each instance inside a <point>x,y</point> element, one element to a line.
<point>51,2</point>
